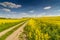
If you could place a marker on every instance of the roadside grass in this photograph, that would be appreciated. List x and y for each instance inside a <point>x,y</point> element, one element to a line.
<point>7,25</point>
<point>10,32</point>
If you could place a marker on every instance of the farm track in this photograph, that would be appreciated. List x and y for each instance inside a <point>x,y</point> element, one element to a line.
<point>15,35</point>
<point>7,30</point>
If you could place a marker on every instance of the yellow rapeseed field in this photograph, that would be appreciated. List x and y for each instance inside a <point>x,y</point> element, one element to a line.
<point>7,21</point>
<point>47,28</point>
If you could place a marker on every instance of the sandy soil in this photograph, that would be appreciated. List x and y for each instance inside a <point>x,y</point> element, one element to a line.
<point>5,31</point>
<point>15,35</point>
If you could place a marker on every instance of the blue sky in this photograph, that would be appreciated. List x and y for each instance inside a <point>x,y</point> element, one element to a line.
<point>29,8</point>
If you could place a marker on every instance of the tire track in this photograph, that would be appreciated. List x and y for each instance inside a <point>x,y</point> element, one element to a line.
<point>7,30</point>
<point>15,35</point>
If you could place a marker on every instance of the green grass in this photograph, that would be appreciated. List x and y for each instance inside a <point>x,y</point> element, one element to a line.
<point>7,25</point>
<point>4,26</point>
<point>10,32</point>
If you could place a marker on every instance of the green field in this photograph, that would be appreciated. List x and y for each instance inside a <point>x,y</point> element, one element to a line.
<point>7,23</point>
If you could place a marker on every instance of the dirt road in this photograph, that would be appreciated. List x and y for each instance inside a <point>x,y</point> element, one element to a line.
<point>5,31</point>
<point>15,35</point>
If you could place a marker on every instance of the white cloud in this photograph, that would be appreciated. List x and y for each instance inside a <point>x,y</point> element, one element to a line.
<point>48,7</point>
<point>10,5</point>
<point>32,11</point>
<point>5,9</point>
<point>24,14</point>
<point>58,10</point>
<point>28,15</point>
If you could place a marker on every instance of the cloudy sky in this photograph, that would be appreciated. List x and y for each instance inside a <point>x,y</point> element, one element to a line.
<point>29,8</point>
